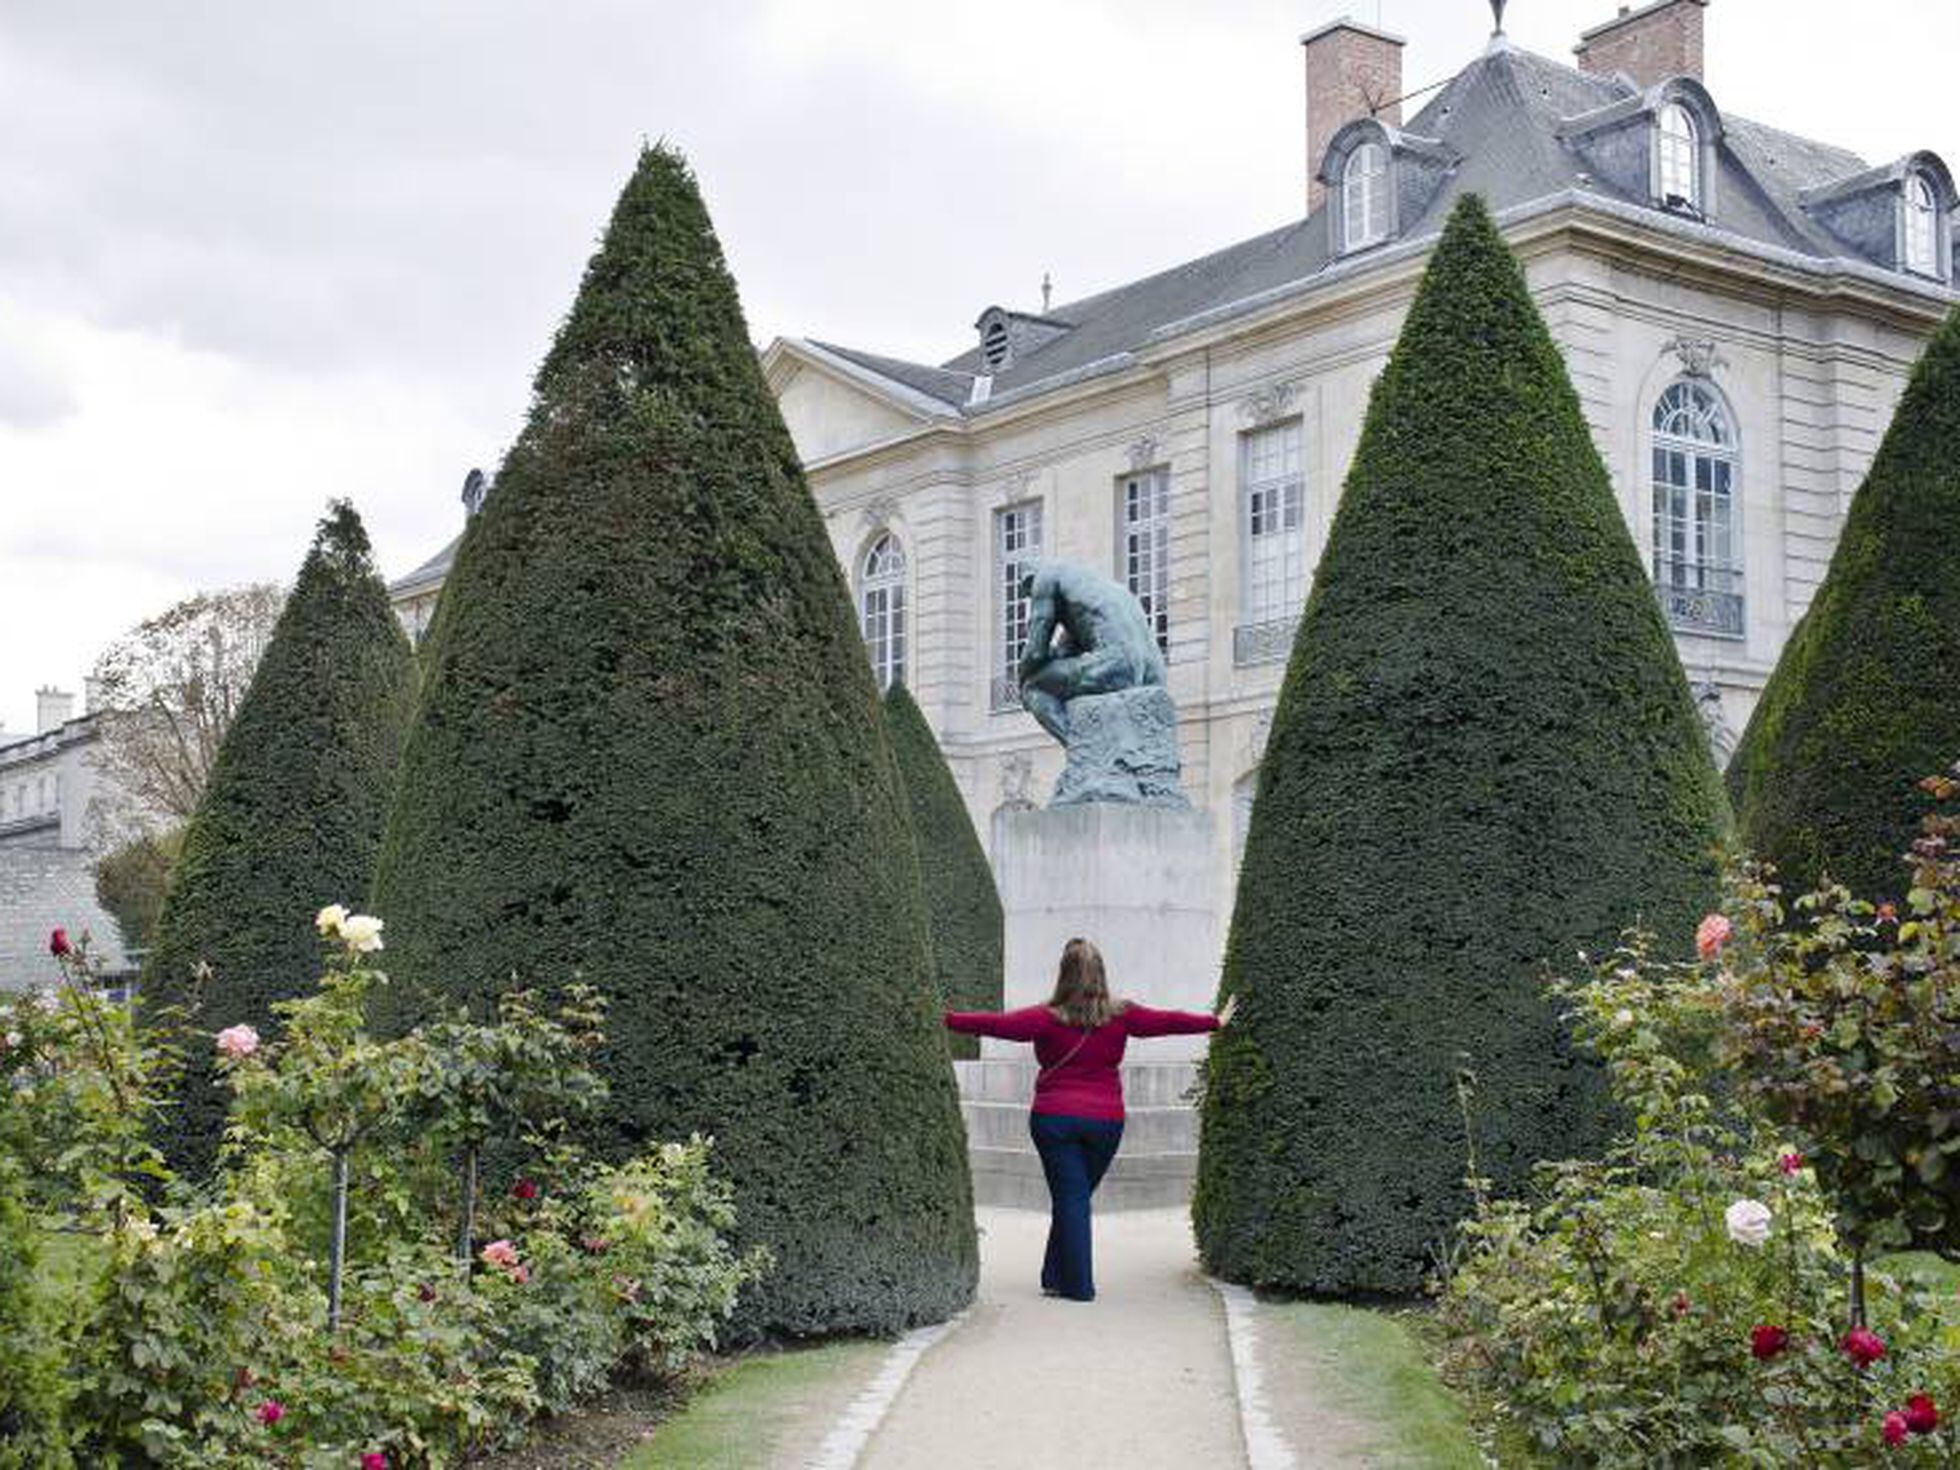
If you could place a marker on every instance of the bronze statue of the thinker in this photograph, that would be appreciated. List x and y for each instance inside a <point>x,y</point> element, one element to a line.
<point>1086,636</point>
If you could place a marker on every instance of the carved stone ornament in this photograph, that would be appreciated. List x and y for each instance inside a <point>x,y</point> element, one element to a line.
<point>1018,485</point>
<point>1699,357</point>
<point>1143,453</point>
<point>1016,772</point>
<point>1262,730</point>
<point>1269,403</point>
<point>880,512</point>
<point>1714,723</point>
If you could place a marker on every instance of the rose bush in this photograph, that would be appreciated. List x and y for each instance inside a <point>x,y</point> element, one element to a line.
<point>307,1307</point>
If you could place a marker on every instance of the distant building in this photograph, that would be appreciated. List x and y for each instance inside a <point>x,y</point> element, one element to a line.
<point>414,596</point>
<point>47,779</point>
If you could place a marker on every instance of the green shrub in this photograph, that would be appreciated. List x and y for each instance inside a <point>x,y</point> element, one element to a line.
<point>294,808</point>
<point>130,882</point>
<point>1866,697</point>
<point>650,754</point>
<point>1629,1312</point>
<point>962,904</point>
<point>1485,756</point>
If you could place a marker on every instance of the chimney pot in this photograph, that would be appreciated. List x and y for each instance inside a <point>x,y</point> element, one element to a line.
<point>1650,44</point>
<point>53,707</point>
<point>1353,71</point>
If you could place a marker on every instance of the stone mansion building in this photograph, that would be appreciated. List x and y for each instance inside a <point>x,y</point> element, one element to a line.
<point>1739,309</point>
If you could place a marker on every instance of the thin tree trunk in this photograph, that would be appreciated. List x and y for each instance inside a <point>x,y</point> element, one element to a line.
<point>337,1243</point>
<point>465,1237</point>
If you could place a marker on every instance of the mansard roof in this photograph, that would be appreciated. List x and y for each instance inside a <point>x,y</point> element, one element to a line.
<point>1505,119</point>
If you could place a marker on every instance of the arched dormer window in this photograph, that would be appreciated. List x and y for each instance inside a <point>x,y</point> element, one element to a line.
<point>1678,144</point>
<point>881,607</point>
<point>1922,226</point>
<point>1364,197</point>
<point>1697,547</point>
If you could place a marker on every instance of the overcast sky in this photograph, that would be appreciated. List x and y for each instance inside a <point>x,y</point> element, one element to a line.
<point>258,254</point>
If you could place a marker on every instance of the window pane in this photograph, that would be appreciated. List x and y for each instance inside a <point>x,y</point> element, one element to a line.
<point>1274,496</point>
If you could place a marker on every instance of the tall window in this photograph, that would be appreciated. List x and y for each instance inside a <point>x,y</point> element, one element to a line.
<point>1922,227</point>
<point>1017,547</point>
<point>1680,157</point>
<point>881,603</point>
<point>1274,499</point>
<point>1696,563</point>
<point>1364,197</point>
<point>1143,544</point>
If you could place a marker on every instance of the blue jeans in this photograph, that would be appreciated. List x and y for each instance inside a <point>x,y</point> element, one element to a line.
<point>1075,1154</point>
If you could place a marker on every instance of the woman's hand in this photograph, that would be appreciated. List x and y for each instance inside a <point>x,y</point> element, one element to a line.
<point>1227,1011</point>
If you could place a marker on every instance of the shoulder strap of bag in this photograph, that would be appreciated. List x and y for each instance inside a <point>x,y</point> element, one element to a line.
<point>1071,1054</point>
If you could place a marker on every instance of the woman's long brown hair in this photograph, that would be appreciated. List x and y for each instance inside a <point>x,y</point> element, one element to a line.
<point>1081,995</point>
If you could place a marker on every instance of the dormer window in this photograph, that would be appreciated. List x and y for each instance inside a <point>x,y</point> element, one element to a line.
<point>994,345</point>
<point>1364,197</point>
<point>1922,227</point>
<point>1679,156</point>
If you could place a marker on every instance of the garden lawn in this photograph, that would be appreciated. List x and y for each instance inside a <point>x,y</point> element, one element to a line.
<point>1368,1370</point>
<point>764,1410</point>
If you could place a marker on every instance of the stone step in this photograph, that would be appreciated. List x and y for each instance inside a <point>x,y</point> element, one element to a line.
<point>1145,1129</point>
<point>1011,1080</point>
<point>1012,1178</point>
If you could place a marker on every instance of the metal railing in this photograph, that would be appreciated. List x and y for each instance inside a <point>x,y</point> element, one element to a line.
<point>1701,599</point>
<point>1004,694</point>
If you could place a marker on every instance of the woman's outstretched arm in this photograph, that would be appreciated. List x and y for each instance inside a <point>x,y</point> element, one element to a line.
<point>1141,1020</point>
<point>1022,1025</point>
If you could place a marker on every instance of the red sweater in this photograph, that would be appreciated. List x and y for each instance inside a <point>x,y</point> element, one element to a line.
<point>1087,1084</point>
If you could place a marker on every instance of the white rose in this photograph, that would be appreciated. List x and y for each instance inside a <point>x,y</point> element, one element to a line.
<point>330,919</point>
<point>362,933</point>
<point>1748,1222</point>
<point>1623,1019</point>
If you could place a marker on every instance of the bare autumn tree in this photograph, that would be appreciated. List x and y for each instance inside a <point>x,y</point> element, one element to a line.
<point>167,690</point>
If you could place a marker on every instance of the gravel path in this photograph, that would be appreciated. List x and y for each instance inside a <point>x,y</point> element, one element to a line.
<point>1140,1378</point>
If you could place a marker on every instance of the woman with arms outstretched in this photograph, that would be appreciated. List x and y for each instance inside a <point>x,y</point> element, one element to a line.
<point>1077,1120</point>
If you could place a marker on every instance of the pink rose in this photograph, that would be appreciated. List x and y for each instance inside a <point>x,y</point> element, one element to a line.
<point>1711,934</point>
<point>271,1412</point>
<point>238,1042</point>
<point>501,1254</point>
<point>1894,1428</point>
<point>1864,1347</point>
<point>58,944</point>
<point>374,1460</point>
<point>520,1274</point>
<point>1790,1163</point>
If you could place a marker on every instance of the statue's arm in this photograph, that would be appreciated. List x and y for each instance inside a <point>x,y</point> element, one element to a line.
<point>1041,633</point>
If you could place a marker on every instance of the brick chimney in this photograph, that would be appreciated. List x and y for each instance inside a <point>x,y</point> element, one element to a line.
<point>1353,71</point>
<point>1649,44</point>
<point>52,707</point>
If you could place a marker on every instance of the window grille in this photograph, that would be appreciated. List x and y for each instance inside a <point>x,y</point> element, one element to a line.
<point>882,609</point>
<point>1697,561</point>
<point>1143,545</point>
<point>1017,547</point>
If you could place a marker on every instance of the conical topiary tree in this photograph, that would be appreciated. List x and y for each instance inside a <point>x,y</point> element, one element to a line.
<point>1865,701</point>
<point>962,904</point>
<point>651,755</point>
<point>1485,757</point>
<point>290,820</point>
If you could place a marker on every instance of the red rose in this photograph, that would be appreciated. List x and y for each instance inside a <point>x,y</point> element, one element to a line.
<point>427,1293</point>
<point>1921,1416</point>
<point>1790,1163</point>
<point>525,1189</point>
<point>1864,1347</point>
<point>1894,1428</point>
<point>374,1460</point>
<point>1765,1342</point>
<point>58,944</point>
<point>1681,1304</point>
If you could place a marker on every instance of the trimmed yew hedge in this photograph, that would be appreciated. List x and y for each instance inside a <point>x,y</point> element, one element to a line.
<point>291,818</point>
<point>962,904</point>
<point>1865,700</point>
<point>1485,757</point>
<point>651,756</point>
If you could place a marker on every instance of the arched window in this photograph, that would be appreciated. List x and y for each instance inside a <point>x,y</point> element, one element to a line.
<point>881,601</point>
<point>1922,226</point>
<point>1680,157</point>
<point>1364,197</point>
<point>1697,551</point>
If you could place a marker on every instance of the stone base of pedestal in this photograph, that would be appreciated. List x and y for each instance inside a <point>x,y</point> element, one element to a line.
<point>1136,881</point>
<point>1154,1169</point>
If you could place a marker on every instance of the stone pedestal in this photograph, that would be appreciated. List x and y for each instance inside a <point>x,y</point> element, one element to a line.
<point>1134,880</point>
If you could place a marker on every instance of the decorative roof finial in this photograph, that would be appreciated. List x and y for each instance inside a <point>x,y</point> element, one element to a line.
<point>1497,11</point>
<point>1047,288</point>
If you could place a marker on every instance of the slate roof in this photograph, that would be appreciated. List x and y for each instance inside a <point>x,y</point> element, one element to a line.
<point>43,889</point>
<point>431,573</point>
<point>1502,116</point>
